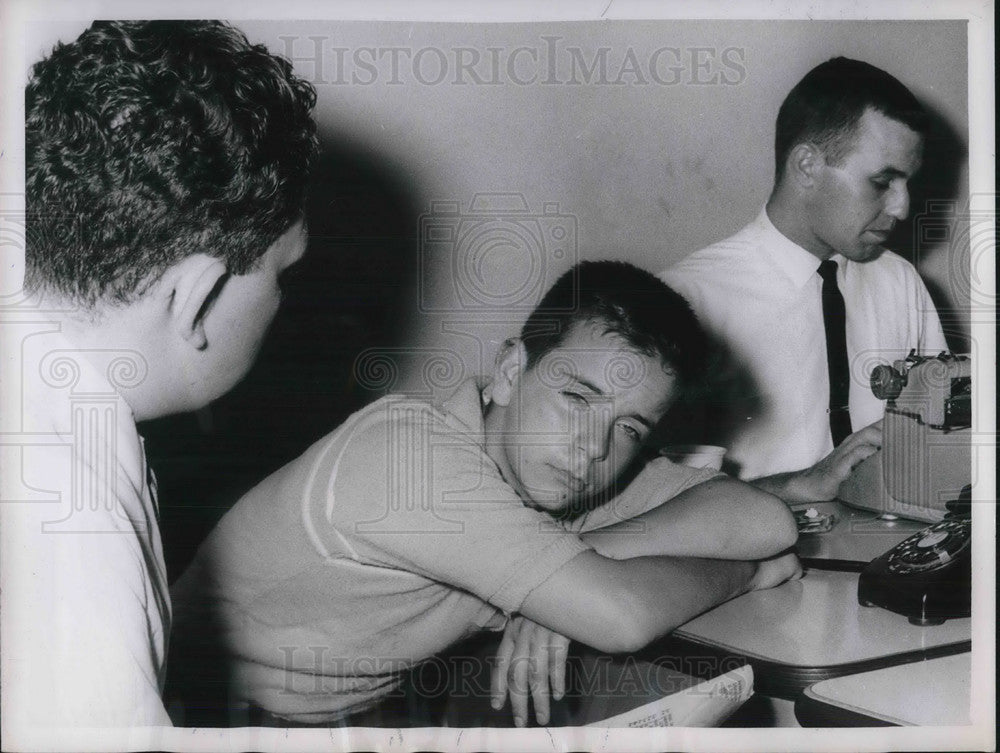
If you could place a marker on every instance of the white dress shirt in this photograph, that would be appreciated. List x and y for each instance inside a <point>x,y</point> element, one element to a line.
<point>760,295</point>
<point>86,611</point>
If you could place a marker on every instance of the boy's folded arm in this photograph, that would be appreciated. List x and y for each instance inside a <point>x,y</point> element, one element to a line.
<point>622,605</point>
<point>719,519</point>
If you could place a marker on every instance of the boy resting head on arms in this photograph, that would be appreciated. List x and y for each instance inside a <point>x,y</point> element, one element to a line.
<point>413,526</point>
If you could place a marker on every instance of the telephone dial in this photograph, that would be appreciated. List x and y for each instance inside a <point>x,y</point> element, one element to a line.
<point>927,577</point>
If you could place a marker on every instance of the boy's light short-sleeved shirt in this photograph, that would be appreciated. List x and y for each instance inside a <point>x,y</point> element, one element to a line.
<point>385,543</point>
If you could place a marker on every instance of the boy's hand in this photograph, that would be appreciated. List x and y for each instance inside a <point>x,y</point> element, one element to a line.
<point>530,659</point>
<point>775,571</point>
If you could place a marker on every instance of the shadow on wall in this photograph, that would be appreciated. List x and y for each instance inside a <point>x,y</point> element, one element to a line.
<point>714,408</point>
<point>934,224</point>
<point>350,292</point>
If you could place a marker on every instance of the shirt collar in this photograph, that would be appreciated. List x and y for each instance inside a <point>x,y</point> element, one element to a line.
<point>466,405</point>
<point>797,264</point>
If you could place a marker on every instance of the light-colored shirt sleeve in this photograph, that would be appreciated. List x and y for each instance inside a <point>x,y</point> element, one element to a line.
<point>413,494</point>
<point>658,482</point>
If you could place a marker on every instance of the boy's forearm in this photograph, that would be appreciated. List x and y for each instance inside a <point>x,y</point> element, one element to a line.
<point>680,588</point>
<point>676,590</point>
<point>622,606</point>
<point>719,519</point>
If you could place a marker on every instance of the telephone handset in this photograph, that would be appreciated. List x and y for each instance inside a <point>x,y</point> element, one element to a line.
<point>927,577</point>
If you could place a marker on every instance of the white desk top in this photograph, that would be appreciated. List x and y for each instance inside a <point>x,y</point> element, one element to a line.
<point>857,535</point>
<point>888,694</point>
<point>815,622</point>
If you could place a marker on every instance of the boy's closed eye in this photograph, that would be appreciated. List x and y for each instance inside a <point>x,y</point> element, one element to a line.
<point>633,433</point>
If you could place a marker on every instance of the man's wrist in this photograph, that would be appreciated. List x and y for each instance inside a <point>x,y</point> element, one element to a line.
<point>799,488</point>
<point>789,487</point>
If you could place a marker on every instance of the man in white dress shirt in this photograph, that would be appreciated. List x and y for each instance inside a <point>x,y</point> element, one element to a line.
<point>849,137</point>
<point>165,172</point>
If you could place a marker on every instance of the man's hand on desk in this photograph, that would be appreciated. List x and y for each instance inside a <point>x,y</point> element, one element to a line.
<point>820,482</point>
<point>531,660</point>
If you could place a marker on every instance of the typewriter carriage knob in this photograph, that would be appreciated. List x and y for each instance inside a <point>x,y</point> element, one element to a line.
<point>886,382</point>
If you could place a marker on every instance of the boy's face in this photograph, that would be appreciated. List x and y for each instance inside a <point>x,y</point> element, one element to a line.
<point>569,426</point>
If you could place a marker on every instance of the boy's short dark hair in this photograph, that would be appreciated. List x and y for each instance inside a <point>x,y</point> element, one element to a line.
<point>148,141</point>
<point>631,303</point>
<point>826,105</point>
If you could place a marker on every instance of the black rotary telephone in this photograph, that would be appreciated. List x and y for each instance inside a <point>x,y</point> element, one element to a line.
<point>927,577</point>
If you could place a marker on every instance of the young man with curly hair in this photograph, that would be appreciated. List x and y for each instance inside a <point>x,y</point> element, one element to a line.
<point>166,170</point>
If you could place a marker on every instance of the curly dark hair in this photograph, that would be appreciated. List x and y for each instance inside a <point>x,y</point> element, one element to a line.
<point>148,141</point>
<point>628,301</point>
<point>827,104</point>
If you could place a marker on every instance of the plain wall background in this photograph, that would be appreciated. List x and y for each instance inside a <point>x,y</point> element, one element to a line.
<point>647,173</point>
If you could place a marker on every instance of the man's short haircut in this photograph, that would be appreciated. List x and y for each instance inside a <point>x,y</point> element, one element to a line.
<point>825,107</point>
<point>627,301</point>
<point>151,141</point>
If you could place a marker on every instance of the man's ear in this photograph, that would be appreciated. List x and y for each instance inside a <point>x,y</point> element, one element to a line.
<point>191,285</point>
<point>507,370</point>
<point>804,161</point>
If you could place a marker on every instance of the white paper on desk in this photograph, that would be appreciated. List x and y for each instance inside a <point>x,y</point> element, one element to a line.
<point>706,704</point>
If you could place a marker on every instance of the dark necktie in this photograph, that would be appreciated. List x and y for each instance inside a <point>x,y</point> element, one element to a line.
<point>835,322</point>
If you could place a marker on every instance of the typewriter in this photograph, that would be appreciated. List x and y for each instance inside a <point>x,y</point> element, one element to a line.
<point>926,455</point>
